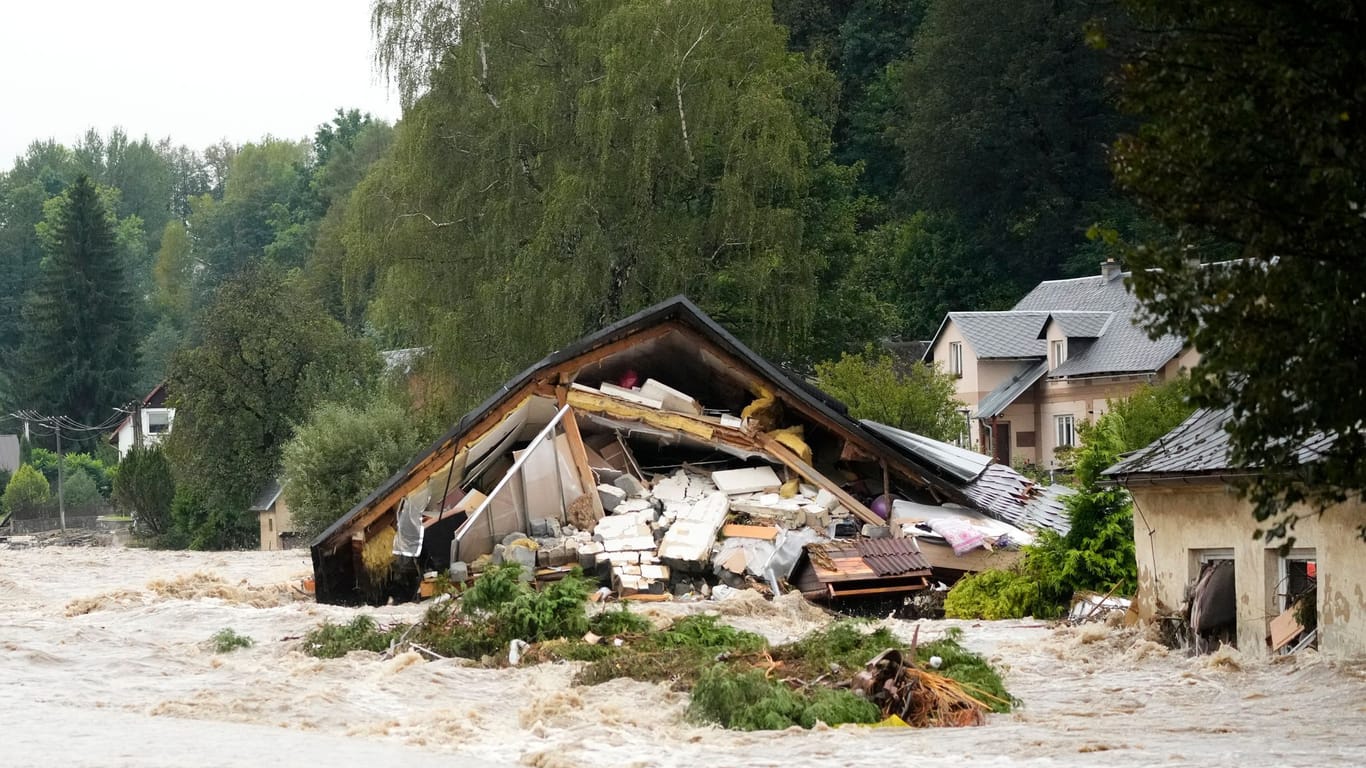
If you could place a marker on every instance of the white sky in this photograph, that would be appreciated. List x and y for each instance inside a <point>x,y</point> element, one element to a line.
<point>196,70</point>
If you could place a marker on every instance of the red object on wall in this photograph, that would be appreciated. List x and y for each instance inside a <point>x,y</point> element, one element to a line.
<point>629,379</point>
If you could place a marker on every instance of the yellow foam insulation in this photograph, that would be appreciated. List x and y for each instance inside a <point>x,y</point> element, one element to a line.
<point>793,438</point>
<point>764,410</point>
<point>378,556</point>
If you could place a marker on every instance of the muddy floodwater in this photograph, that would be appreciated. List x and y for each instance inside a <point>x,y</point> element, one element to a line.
<point>105,663</point>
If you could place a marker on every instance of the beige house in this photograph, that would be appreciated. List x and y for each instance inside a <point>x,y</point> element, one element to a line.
<point>277,530</point>
<point>1189,520</point>
<point>1030,375</point>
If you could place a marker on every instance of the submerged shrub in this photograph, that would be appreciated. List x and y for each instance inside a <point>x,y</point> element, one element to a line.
<point>749,701</point>
<point>554,612</point>
<point>1001,594</point>
<point>226,640</point>
<point>619,622</point>
<point>495,587</point>
<point>332,641</point>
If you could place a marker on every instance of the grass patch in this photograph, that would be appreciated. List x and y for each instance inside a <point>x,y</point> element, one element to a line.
<point>227,640</point>
<point>333,641</point>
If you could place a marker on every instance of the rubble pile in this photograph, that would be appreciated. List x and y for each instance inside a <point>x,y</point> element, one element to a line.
<point>669,533</point>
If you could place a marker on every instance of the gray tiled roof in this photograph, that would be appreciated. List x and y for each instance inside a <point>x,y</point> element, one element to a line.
<point>1080,325</point>
<point>1198,444</point>
<point>266,496</point>
<point>1002,334</point>
<point>1123,347</point>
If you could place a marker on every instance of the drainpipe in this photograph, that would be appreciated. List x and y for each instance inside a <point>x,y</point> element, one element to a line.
<point>995,446</point>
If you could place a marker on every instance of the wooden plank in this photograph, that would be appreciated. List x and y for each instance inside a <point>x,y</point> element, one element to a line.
<point>579,453</point>
<point>737,531</point>
<point>812,475</point>
<point>1285,628</point>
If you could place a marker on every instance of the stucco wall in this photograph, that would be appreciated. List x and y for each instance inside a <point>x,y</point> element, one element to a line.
<point>274,522</point>
<point>1188,518</point>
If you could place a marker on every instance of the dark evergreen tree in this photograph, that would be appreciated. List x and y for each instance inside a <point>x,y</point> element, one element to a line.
<point>79,353</point>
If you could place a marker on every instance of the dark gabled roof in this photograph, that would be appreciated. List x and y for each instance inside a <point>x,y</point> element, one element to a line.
<point>1123,347</point>
<point>1197,445</point>
<point>267,496</point>
<point>1002,335</point>
<point>678,310</point>
<point>154,399</point>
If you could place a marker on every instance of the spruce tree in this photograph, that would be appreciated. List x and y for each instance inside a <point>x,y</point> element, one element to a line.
<point>79,356</point>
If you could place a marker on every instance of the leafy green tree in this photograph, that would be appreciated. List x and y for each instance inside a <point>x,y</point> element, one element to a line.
<point>591,160</point>
<point>267,352</point>
<point>26,492</point>
<point>79,353</point>
<point>174,271</point>
<point>1251,146</point>
<point>79,491</point>
<point>914,397</point>
<point>341,454</point>
<point>411,37</point>
<point>1003,125</point>
<point>145,487</point>
<point>100,472</point>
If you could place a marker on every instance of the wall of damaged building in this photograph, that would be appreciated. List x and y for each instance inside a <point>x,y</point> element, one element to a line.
<point>1175,524</point>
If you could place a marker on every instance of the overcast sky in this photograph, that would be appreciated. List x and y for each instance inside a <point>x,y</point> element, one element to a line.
<point>195,70</point>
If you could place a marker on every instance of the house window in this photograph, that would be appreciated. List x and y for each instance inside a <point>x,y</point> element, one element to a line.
<point>1058,353</point>
<point>965,434</point>
<point>158,421</point>
<point>1067,431</point>
<point>956,358</point>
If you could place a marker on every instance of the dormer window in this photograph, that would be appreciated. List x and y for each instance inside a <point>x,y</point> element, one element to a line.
<point>956,358</point>
<point>1057,353</point>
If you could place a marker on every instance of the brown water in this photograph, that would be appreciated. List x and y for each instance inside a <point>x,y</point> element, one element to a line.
<point>105,663</point>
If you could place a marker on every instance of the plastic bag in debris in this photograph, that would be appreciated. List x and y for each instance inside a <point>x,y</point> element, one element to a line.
<point>408,540</point>
<point>789,547</point>
<point>962,536</point>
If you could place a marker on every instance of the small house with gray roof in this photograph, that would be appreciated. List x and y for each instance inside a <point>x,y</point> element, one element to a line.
<point>1030,375</point>
<point>1198,555</point>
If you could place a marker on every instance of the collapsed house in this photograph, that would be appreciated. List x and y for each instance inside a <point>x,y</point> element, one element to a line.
<point>663,455</point>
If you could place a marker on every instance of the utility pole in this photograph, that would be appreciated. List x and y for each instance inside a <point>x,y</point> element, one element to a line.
<point>137,423</point>
<point>61,498</point>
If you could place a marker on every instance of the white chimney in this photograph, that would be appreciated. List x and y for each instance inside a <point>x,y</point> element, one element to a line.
<point>1110,269</point>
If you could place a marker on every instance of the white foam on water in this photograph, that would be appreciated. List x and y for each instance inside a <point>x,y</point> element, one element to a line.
<point>106,663</point>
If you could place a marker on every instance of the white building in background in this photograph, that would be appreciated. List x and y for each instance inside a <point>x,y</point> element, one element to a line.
<point>152,420</point>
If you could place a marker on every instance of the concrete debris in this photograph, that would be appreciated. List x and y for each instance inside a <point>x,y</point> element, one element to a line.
<point>749,480</point>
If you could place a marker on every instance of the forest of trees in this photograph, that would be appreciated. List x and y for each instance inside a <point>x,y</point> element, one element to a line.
<point>819,175</point>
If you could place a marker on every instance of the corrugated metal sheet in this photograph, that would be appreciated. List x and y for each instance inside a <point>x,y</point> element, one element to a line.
<point>959,463</point>
<point>891,557</point>
<point>1000,398</point>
